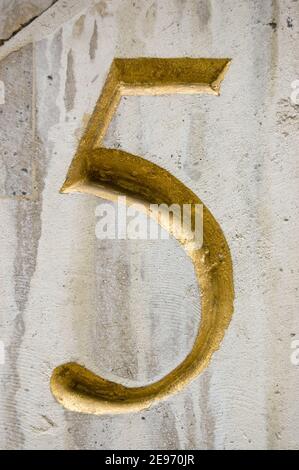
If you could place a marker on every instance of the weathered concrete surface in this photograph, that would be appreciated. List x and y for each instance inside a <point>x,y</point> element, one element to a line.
<point>130,310</point>
<point>15,14</point>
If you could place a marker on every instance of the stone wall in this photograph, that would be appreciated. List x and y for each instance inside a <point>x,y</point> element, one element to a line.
<point>130,310</point>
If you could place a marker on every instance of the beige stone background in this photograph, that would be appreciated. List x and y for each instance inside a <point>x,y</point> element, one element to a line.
<point>130,310</point>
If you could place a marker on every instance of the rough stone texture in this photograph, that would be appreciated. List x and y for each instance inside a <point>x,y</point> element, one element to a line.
<point>16,139</point>
<point>130,310</point>
<point>17,13</point>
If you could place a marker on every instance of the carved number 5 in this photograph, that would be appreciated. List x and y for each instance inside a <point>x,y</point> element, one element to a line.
<point>107,173</point>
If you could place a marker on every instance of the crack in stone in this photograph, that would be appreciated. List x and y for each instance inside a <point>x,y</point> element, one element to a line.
<point>27,23</point>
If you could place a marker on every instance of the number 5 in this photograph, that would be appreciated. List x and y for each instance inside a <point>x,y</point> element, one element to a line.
<point>108,173</point>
